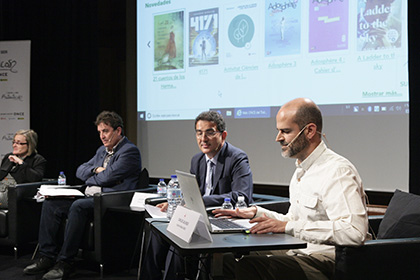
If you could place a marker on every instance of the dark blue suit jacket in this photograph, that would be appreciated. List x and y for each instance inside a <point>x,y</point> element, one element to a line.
<point>121,173</point>
<point>232,177</point>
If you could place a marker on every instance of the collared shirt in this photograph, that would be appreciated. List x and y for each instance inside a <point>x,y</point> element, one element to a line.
<point>327,203</point>
<point>115,147</point>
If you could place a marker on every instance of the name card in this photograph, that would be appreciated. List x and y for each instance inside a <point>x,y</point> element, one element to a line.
<point>185,223</point>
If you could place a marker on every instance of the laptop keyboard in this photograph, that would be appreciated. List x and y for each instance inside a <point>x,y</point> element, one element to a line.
<point>225,224</point>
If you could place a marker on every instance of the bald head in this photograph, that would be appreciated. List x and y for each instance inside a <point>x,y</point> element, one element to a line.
<point>299,125</point>
<point>303,111</point>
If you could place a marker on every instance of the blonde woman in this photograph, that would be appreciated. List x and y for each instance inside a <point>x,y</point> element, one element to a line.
<point>23,164</point>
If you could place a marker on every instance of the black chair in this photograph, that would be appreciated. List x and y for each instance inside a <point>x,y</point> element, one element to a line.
<point>395,254</point>
<point>379,259</point>
<point>272,202</point>
<point>19,224</point>
<point>143,179</point>
<point>115,229</point>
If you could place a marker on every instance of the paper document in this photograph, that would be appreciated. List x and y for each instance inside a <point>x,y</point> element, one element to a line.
<point>57,190</point>
<point>139,198</point>
<point>154,211</point>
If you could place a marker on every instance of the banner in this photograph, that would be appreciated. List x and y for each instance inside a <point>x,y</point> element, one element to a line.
<point>14,91</point>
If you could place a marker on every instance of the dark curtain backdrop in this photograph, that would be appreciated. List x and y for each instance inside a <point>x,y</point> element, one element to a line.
<point>65,73</point>
<point>414,81</point>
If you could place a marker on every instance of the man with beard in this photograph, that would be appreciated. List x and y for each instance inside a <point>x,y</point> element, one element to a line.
<point>327,205</point>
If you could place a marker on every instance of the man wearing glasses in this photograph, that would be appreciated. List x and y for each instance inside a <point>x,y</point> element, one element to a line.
<point>222,171</point>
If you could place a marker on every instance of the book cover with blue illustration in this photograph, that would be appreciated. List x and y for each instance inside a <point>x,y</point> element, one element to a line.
<point>282,27</point>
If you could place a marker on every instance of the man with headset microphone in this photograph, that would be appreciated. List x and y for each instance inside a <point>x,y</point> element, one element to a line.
<point>327,204</point>
<point>116,166</point>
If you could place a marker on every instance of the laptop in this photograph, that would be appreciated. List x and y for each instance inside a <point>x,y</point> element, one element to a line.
<point>194,201</point>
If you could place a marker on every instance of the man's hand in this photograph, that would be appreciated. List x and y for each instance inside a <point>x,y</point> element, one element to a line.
<point>247,213</point>
<point>266,225</point>
<point>163,206</point>
<point>99,169</point>
<point>15,159</point>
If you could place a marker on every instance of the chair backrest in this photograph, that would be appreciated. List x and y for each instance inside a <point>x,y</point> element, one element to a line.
<point>143,179</point>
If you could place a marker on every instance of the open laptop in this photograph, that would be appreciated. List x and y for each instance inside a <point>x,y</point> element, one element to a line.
<point>194,201</point>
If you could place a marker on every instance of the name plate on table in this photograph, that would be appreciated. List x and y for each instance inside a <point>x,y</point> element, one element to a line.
<point>185,223</point>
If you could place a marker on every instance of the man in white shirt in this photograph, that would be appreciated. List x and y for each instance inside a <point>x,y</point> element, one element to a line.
<point>327,204</point>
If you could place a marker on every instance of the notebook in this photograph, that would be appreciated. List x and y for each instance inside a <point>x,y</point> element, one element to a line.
<point>194,201</point>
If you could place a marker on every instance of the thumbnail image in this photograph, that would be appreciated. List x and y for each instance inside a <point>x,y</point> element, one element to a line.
<point>378,24</point>
<point>282,27</point>
<point>328,25</point>
<point>241,31</point>
<point>204,37</point>
<point>241,37</point>
<point>169,41</point>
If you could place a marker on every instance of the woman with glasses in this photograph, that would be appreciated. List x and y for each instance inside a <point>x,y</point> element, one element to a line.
<point>23,164</point>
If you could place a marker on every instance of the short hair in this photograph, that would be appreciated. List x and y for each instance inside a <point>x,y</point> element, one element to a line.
<point>31,137</point>
<point>110,118</point>
<point>212,116</point>
<point>309,113</point>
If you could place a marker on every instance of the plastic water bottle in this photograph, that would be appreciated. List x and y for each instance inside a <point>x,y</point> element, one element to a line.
<point>61,178</point>
<point>226,204</point>
<point>241,204</point>
<point>161,187</point>
<point>174,196</point>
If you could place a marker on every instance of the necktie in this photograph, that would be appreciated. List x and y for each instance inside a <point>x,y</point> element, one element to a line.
<point>209,177</point>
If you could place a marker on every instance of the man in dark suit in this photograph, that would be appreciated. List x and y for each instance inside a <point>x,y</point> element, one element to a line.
<point>221,170</point>
<point>115,166</point>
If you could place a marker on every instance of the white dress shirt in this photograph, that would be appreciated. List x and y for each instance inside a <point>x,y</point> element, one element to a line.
<point>327,203</point>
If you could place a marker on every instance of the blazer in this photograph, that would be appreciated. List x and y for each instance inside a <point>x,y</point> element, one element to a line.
<point>233,176</point>
<point>32,169</point>
<point>121,173</point>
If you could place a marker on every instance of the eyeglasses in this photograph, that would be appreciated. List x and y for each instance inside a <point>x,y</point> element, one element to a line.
<point>210,133</point>
<point>19,143</point>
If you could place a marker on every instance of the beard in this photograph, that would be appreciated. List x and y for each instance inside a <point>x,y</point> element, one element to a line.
<point>299,145</point>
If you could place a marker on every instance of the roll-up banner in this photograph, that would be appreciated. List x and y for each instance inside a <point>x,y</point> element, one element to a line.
<point>14,91</point>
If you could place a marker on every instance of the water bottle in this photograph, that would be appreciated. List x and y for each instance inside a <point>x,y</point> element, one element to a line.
<point>241,204</point>
<point>61,178</point>
<point>161,188</point>
<point>226,204</point>
<point>174,196</point>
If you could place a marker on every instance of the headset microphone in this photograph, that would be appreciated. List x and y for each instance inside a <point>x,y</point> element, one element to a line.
<point>112,136</point>
<point>296,137</point>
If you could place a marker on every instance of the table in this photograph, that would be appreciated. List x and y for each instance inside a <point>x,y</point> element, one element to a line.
<point>226,242</point>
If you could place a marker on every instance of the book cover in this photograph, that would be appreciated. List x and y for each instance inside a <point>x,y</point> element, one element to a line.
<point>241,41</point>
<point>328,25</point>
<point>282,27</point>
<point>204,37</point>
<point>378,24</point>
<point>169,41</point>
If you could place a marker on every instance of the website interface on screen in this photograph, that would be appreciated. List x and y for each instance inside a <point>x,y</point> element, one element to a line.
<point>247,58</point>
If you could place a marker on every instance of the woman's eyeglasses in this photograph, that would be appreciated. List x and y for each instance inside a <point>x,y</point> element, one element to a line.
<point>19,143</point>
